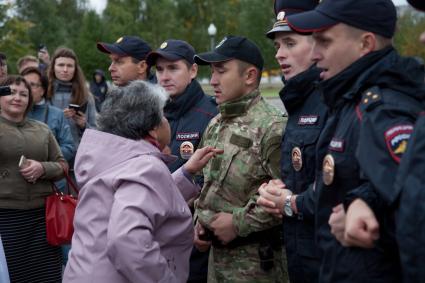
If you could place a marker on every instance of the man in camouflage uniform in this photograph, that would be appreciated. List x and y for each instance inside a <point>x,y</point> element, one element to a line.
<point>245,239</point>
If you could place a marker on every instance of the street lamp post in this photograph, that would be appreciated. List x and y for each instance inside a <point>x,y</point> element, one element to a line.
<point>212,31</point>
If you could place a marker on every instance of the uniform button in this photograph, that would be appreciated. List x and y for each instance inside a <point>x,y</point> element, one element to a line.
<point>369,93</point>
<point>375,96</point>
<point>365,100</point>
<point>4,173</point>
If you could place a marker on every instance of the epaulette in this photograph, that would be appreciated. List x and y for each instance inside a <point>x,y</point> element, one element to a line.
<point>371,98</point>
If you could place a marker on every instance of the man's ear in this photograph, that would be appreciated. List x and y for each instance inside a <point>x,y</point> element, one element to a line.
<point>142,67</point>
<point>193,70</point>
<point>251,75</point>
<point>368,43</point>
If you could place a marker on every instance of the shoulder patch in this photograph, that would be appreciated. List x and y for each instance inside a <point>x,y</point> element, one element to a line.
<point>396,139</point>
<point>371,98</point>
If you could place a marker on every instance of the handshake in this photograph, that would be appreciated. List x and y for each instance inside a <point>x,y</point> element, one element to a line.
<point>5,90</point>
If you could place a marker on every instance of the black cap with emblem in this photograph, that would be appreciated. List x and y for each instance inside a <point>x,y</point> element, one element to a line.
<point>233,47</point>
<point>172,50</point>
<point>377,16</point>
<point>132,46</point>
<point>284,8</point>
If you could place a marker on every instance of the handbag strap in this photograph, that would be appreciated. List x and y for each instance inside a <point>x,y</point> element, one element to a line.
<point>70,183</point>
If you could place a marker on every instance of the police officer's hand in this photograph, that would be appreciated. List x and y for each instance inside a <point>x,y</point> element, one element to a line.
<point>272,197</point>
<point>223,228</point>
<point>337,223</point>
<point>362,228</point>
<point>200,245</point>
<point>200,158</point>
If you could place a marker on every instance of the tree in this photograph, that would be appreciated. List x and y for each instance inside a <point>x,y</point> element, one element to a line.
<point>91,31</point>
<point>410,26</point>
<point>14,40</point>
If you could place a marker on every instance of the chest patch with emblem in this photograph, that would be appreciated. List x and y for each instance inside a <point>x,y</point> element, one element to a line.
<point>186,150</point>
<point>308,120</point>
<point>328,170</point>
<point>187,136</point>
<point>297,159</point>
<point>396,139</point>
<point>337,145</point>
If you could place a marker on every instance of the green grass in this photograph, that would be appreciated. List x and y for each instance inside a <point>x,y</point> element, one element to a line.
<point>270,91</point>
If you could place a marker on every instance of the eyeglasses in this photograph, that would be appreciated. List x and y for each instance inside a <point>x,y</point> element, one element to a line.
<point>34,85</point>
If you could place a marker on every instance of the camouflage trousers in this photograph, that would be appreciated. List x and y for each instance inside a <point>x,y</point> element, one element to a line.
<point>242,265</point>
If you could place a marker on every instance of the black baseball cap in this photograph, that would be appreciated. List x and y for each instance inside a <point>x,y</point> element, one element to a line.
<point>173,50</point>
<point>285,8</point>
<point>377,16</point>
<point>418,4</point>
<point>132,46</point>
<point>233,47</point>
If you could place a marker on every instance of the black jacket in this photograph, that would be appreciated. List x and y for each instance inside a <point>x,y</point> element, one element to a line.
<point>410,220</point>
<point>372,107</point>
<point>188,115</point>
<point>307,116</point>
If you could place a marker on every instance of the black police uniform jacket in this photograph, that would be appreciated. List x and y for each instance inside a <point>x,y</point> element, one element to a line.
<point>410,220</point>
<point>307,116</point>
<point>188,115</point>
<point>373,105</point>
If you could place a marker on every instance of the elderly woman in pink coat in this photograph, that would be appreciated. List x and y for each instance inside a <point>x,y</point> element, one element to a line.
<point>132,223</point>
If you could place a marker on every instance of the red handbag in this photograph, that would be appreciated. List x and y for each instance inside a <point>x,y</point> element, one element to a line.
<point>60,210</point>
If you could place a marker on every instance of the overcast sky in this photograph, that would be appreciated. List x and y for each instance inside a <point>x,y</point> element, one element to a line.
<point>99,5</point>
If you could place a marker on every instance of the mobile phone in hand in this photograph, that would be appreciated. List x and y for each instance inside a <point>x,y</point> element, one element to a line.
<point>76,107</point>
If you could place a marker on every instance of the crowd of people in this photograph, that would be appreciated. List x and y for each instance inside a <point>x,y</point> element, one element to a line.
<point>179,186</point>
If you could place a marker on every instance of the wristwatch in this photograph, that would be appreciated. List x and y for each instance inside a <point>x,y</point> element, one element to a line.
<point>287,208</point>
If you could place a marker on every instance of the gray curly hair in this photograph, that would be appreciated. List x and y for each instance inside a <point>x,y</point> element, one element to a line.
<point>133,110</point>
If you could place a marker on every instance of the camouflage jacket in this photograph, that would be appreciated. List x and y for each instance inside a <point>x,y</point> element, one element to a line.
<point>250,131</point>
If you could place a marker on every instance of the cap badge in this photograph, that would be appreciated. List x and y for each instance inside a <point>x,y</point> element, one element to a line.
<point>328,170</point>
<point>221,42</point>
<point>163,45</point>
<point>281,16</point>
<point>119,40</point>
<point>297,159</point>
<point>186,149</point>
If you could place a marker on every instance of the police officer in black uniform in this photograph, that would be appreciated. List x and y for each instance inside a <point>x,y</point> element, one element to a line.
<point>374,97</point>
<point>188,111</point>
<point>307,116</point>
<point>410,221</point>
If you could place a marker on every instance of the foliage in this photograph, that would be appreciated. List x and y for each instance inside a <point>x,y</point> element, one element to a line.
<point>410,26</point>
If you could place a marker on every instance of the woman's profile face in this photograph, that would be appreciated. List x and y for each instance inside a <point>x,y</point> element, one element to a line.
<point>13,106</point>
<point>64,69</point>
<point>163,133</point>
